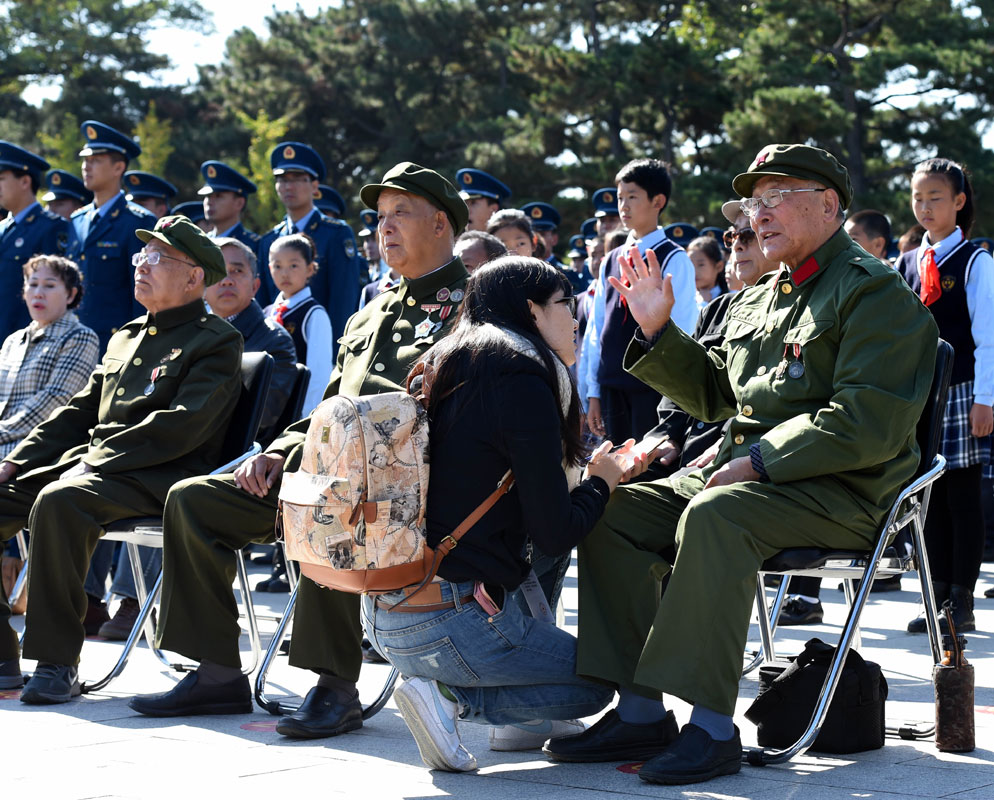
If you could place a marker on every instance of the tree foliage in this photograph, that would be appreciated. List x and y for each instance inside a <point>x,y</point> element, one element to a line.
<point>553,97</point>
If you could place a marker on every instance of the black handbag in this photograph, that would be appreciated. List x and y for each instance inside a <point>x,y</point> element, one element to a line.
<point>788,694</point>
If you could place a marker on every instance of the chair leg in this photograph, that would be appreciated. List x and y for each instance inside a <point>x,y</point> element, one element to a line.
<point>22,576</point>
<point>136,633</point>
<point>278,708</point>
<point>255,640</point>
<point>767,621</point>
<point>762,756</point>
<point>848,588</point>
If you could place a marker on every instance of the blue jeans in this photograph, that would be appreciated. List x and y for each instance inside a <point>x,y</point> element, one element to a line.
<point>124,579</point>
<point>551,573</point>
<point>502,669</point>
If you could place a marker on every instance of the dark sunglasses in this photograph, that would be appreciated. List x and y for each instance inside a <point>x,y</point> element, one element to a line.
<point>745,234</point>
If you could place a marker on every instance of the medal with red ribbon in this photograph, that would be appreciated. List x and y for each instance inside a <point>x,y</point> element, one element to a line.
<point>156,374</point>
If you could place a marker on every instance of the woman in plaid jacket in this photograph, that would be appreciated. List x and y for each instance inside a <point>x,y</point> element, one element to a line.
<point>46,363</point>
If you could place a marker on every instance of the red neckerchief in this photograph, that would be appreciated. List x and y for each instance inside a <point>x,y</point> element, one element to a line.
<point>928,273</point>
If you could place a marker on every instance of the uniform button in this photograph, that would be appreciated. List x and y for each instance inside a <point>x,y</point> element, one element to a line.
<point>203,319</point>
<point>97,442</point>
<point>761,371</point>
<point>397,337</point>
<point>700,425</point>
<point>746,411</point>
<point>858,258</point>
<point>786,288</point>
<point>411,301</point>
<point>120,391</point>
<point>379,367</point>
<point>769,327</point>
<point>153,330</point>
<point>137,362</point>
<point>739,439</point>
<point>82,257</point>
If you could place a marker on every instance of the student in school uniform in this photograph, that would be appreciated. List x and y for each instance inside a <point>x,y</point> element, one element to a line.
<point>955,280</point>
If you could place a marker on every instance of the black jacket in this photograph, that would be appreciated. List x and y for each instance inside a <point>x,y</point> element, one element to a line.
<point>476,434</point>
<point>262,335</point>
<point>691,435</point>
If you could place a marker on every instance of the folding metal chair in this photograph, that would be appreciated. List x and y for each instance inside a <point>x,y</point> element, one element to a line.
<point>22,576</point>
<point>278,707</point>
<point>239,444</point>
<point>908,511</point>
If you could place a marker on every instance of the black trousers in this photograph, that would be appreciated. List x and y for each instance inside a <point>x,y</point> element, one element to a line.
<point>954,529</point>
<point>628,414</point>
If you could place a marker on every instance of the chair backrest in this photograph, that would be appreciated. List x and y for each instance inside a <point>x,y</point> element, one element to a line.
<point>292,410</point>
<point>929,429</point>
<point>257,372</point>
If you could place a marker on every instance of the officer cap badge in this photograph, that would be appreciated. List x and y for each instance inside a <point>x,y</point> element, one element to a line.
<point>608,198</point>
<point>678,233</point>
<point>289,152</point>
<point>91,132</point>
<point>467,179</point>
<point>317,194</point>
<point>536,213</point>
<point>135,180</point>
<point>761,158</point>
<point>56,179</point>
<point>211,171</point>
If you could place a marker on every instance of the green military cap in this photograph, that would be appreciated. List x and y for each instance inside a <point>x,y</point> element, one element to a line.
<point>426,183</point>
<point>177,231</point>
<point>796,161</point>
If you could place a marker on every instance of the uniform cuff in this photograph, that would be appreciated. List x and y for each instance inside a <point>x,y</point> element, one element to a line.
<point>648,344</point>
<point>756,457</point>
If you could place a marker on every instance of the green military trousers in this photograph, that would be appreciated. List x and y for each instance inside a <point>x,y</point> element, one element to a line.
<point>690,643</point>
<point>205,521</point>
<point>65,519</point>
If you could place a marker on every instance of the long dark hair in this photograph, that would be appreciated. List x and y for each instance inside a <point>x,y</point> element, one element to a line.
<point>467,362</point>
<point>959,181</point>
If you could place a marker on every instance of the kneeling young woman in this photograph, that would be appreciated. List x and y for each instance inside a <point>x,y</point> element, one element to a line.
<point>501,398</point>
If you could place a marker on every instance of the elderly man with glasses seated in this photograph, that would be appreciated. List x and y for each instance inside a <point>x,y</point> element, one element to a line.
<point>154,412</point>
<point>824,370</point>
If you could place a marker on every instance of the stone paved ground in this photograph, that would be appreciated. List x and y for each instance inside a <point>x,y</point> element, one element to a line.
<point>97,747</point>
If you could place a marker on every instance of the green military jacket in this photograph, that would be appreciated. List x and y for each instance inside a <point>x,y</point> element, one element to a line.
<point>383,339</point>
<point>827,367</point>
<point>155,409</point>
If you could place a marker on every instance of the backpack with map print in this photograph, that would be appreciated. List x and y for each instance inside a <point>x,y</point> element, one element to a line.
<point>353,515</point>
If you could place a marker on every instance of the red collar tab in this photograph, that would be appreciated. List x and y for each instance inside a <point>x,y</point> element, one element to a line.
<point>800,274</point>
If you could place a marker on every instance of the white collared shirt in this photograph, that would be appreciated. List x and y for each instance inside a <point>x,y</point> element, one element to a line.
<point>980,303</point>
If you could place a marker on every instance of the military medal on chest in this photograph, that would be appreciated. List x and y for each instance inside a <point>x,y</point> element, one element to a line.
<point>156,374</point>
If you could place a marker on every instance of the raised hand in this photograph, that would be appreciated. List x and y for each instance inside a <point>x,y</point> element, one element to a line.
<point>649,296</point>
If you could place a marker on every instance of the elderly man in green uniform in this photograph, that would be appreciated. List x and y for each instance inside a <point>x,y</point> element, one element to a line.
<point>824,371</point>
<point>208,518</point>
<point>112,451</point>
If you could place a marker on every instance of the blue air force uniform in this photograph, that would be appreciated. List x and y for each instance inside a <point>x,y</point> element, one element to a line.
<point>107,242</point>
<point>219,177</point>
<point>335,285</point>
<point>32,231</point>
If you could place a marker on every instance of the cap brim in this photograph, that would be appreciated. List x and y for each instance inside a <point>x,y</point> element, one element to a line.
<point>147,235</point>
<point>470,195</point>
<point>731,210</point>
<point>205,190</point>
<point>279,170</point>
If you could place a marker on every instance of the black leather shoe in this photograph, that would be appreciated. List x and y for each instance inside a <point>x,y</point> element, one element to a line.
<point>191,697</point>
<point>798,611</point>
<point>613,739</point>
<point>989,592</point>
<point>323,713</point>
<point>694,757</point>
<point>274,585</point>
<point>10,674</point>
<point>51,684</point>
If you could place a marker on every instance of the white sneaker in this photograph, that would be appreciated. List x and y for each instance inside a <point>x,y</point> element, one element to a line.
<point>432,720</point>
<point>532,735</point>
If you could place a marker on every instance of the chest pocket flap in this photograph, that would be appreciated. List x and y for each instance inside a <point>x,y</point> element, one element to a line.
<point>355,342</point>
<point>112,366</point>
<point>807,331</point>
